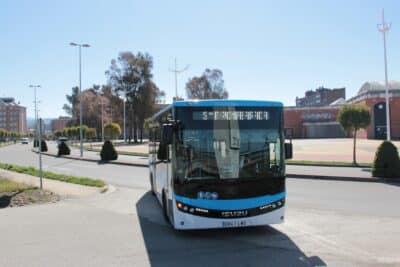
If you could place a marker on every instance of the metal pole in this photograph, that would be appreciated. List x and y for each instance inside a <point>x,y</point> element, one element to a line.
<point>124,118</point>
<point>80,94</point>
<point>176,81</point>
<point>80,101</point>
<point>36,118</point>
<point>40,154</point>
<point>176,71</point>
<point>383,28</point>
<point>102,119</point>
<point>36,112</point>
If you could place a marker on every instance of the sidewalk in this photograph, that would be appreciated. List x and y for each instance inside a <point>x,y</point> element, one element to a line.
<point>331,173</point>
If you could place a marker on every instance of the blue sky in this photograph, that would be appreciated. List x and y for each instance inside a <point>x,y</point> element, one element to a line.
<point>273,50</point>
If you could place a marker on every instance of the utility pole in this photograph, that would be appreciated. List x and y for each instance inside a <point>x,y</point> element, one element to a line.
<point>36,112</point>
<point>102,119</point>
<point>124,100</point>
<point>383,28</point>
<point>177,71</point>
<point>40,154</point>
<point>80,93</point>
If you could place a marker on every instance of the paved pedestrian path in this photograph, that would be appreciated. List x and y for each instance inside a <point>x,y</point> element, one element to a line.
<point>350,173</point>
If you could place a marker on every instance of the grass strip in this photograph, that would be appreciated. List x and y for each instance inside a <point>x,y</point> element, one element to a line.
<point>328,163</point>
<point>54,176</point>
<point>8,186</point>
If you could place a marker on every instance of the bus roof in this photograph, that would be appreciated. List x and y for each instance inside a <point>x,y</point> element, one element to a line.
<point>226,103</point>
<point>219,103</point>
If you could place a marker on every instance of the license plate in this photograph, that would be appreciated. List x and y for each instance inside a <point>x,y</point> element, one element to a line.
<point>236,223</point>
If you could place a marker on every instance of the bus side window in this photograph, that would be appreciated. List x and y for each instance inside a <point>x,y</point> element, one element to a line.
<point>162,152</point>
<point>162,149</point>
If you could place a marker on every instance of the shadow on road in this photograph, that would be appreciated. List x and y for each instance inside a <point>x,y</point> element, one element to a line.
<point>255,246</point>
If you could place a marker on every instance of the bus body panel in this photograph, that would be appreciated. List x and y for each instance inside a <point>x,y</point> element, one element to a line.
<point>185,221</point>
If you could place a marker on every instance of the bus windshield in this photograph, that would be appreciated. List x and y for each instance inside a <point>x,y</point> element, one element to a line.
<point>228,143</point>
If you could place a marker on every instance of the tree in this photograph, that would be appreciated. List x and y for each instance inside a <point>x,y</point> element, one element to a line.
<point>352,118</point>
<point>91,133</point>
<point>71,108</point>
<point>94,100</point>
<point>148,96</point>
<point>210,85</point>
<point>127,75</point>
<point>112,130</point>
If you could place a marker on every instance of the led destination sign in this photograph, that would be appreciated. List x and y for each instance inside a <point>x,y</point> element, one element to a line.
<point>254,115</point>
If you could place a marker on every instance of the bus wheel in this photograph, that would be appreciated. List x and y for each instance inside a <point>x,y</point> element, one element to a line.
<point>152,185</point>
<point>164,204</point>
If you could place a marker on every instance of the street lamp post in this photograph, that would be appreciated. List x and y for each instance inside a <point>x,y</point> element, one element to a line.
<point>35,102</point>
<point>38,134</point>
<point>124,100</point>
<point>80,93</point>
<point>383,28</point>
<point>177,71</point>
<point>102,119</point>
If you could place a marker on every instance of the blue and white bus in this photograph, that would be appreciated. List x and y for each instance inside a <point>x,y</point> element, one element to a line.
<point>219,163</point>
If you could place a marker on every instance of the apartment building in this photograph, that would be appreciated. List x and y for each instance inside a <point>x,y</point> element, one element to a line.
<point>12,115</point>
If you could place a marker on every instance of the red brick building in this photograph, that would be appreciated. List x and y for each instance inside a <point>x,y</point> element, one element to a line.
<point>321,122</point>
<point>372,94</point>
<point>60,123</point>
<point>12,116</point>
<point>313,122</point>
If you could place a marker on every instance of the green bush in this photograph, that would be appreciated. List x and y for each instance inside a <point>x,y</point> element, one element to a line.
<point>108,151</point>
<point>63,149</point>
<point>43,146</point>
<point>386,162</point>
<point>35,143</point>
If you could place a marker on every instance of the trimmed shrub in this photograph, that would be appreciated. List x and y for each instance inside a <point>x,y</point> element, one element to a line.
<point>63,149</point>
<point>386,162</point>
<point>35,143</point>
<point>43,146</point>
<point>108,151</point>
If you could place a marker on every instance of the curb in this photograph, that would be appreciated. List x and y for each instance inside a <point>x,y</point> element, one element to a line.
<point>343,178</point>
<point>326,165</point>
<point>95,160</point>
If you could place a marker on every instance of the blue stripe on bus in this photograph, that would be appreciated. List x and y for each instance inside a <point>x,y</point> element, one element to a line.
<point>233,204</point>
<point>227,103</point>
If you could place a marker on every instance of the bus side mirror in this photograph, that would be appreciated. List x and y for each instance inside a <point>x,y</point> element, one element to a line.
<point>167,134</point>
<point>288,150</point>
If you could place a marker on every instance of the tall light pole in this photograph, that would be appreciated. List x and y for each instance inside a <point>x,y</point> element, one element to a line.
<point>80,93</point>
<point>36,109</point>
<point>177,71</point>
<point>383,28</point>
<point>124,100</point>
<point>102,118</point>
<point>38,133</point>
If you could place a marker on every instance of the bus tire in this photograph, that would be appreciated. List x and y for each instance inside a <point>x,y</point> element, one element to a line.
<point>153,192</point>
<point>164,206</point>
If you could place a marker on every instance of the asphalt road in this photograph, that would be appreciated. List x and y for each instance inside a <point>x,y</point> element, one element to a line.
<point>328,223</point>
<point>125,176</point>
